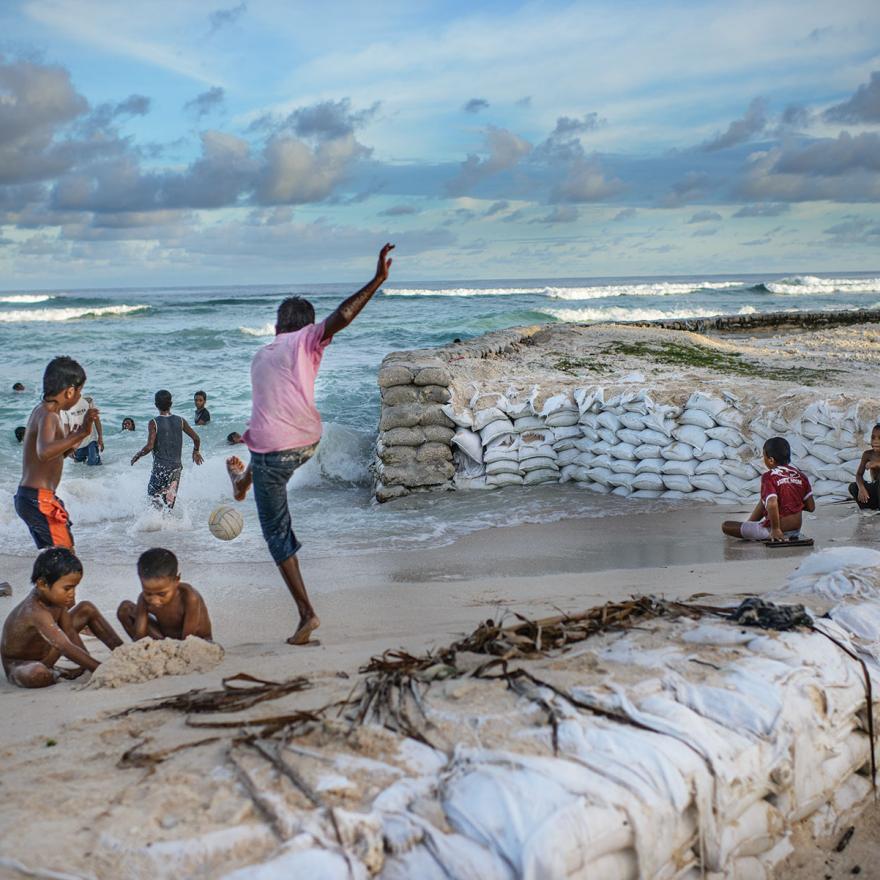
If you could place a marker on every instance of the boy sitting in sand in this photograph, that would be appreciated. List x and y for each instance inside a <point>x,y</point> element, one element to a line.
<point>47,624</point>
<point>866,494</point>
<point>285,426</point>
<point>785,494</point>
<point>166,608</point>
<point>165,441</point>
<point>45,445</point>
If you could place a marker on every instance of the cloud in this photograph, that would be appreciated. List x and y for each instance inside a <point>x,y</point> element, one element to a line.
<point>563,143</point>
<point>795,116</point>
<point>625,214</point>
<point>399,211</point>
<point>326,120</point>
<point>205,102</point>
<point>504,149</point>
<point>705,217</point>
<point>586,182</point>
<point>855,230</point>
<point>224,17</point>
<point>560,214</point>
<point>475,105</point>
<point>705,231</point>
<point>693,185</point>
<point>863,106</point>
<point>740,130</point>
<point>764,209</point>
<point>104,115</point>
<point>525,101</point>
<point>496,208</point>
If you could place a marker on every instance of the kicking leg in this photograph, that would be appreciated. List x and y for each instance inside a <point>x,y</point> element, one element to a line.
<point>239,476</point>
<point>85,614</point>
<point>308,620</point>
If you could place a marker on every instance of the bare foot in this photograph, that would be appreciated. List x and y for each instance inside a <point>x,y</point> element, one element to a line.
<point>236,470</point>
<point>306,628</point>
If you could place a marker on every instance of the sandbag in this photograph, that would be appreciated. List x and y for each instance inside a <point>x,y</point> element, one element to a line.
<point>609,420</point>
<point>647,450</point>
<point>654,437</point>
<point>538,464</point>
<point>574,473</point>
<point>708,482</point>
<point>648,481</point>
<point>740,487</point>
<point>624,466</point>
<point>495,429</point>
<point>462,417</point>
<point>622,491</point>
<point>712,449</point>
<point>677,483</point>
<point>683,468</point>
<point>650,466</point>
<point>542,475</point>
<point>691,434</point>
<point>621,481</point>
<point>586,459</point>
<point>709,466</point>
<point>504,480</point>
<point>501,453</point>
<point>623,450</point>
<point>566,433</point>
<point>567,456</point>
<point>562,418</point>
<point>710,405</point>
<point>608,436</point>
<point>740,469</point>
<point>632,420</point>
<point>678,451</point>
<point>647,493</point>
<point>533,450</point>
<point>485,417</point>
<point>625,435</point>
<point>557,404</point>
<point>602,476</point>
<point>728,436</point>
<point>603,460</point>
<point>828,454</point>
<point>502,466</point>
<point>470,443</point>
<point>729,418</point>
<point>697,417</point>
<point>528,423</point>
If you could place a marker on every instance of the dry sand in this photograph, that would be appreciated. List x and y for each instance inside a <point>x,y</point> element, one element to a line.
<point>70,808</point>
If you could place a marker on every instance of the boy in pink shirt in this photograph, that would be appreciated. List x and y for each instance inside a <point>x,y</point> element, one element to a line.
<point>785,494</point>
<point>285,427</point>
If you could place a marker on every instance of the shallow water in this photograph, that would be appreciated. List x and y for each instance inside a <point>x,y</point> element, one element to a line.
<point>134,341</point>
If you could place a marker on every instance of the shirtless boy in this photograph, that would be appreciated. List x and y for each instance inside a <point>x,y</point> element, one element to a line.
<point>166,608</point>
<point>47,624</point>
<point>866,494</point>
<point>45,446</point>
<point>285,426</point>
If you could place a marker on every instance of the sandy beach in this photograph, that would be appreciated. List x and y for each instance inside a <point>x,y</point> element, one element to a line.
<point>61,745</point>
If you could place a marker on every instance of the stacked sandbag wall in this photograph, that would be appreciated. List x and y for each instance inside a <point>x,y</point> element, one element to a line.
<point>708,447</point>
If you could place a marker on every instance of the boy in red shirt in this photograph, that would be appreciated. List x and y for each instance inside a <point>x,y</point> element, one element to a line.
<point>785,494</point>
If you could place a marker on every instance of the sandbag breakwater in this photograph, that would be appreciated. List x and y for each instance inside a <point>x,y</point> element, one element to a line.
<point>679,415</point>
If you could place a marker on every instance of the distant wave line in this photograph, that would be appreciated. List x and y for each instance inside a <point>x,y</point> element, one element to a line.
<point>21,316</point>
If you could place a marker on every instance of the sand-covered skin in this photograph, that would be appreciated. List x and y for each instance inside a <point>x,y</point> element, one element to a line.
<point>152,658</point>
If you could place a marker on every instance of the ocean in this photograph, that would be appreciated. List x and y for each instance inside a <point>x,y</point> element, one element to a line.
<point>135,341</point>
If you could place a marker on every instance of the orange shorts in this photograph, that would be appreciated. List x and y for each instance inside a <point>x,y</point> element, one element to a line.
<point>45,516</point>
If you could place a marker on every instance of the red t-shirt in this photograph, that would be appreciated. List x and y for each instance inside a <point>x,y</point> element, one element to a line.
<point>790,486</point>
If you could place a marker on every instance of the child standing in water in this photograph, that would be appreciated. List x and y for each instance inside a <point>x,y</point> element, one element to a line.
<point>45,445</point>
<point>866,494</point>
<point>165,441</point>
<point>285,426</point>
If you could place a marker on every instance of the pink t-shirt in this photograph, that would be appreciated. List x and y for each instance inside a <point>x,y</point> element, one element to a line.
<point>283,411</point>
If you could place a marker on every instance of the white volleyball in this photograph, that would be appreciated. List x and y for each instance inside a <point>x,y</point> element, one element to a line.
<point>225,523</point>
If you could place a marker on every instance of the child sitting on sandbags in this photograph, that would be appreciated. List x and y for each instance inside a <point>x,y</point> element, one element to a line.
<point>866,495</point>
<point>785,494</point>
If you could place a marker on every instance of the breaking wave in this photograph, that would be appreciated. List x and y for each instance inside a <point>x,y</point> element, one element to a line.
<point>622,314</point>
<point>20,316</point>
<point>265,330</point>
<point>804,285</point>
<point>660,288</point>
<point>26,298</point>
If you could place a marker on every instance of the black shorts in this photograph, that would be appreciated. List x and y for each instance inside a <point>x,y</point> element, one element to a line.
<point>164,483</point>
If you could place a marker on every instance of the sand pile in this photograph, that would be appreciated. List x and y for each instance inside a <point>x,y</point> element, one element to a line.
<point>152,658</point>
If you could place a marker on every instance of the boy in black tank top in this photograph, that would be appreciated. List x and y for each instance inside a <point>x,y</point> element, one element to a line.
<point>165,441</point>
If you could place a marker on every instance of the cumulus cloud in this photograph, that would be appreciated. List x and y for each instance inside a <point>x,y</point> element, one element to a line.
<point>863,106</point>
<point>764,209</point>
<point>795,116</point>
<point>325,120</point>
<point>705,217</point>
<point>475,105</point>
<point>221,18</point>
<point>694,185</point>
<point>586,182</point>
<point>503,150</point>
<point>205,102</point>
<point>563,143</point>
<point>740,130</point>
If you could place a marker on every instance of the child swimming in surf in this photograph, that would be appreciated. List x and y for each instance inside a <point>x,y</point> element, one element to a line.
<point>866,494</point>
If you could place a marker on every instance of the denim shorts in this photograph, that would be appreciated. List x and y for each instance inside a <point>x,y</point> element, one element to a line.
<point>271,472</point>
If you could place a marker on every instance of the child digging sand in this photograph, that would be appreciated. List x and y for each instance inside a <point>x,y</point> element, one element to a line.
<point>285,426</point>
<point>46,625</point>
<point>785,494</point>
<point>166,608</point>
<point>866,494</point>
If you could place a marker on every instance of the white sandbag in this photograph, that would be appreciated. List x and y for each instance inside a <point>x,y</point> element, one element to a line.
<point>691,434</point>
<point>574,473</point>
<point>608,436</point>
<point>728,436</point>
<point>648,481</point>
<point>712,449</point>
<point>622,491</point>
<point>528,423</point>
<point>740,469</point>
<point>485,417</point>
<point>682,468</point>
<point>501,453</point>
<point>496,429</point>
<point>838,473</point>
<point>536,438</point>
<point>587,434</point>
<point>624,466</point>
<point>708,483</point>
<point>562,418</point>
<point>753,833</point>
<point>741,488</point>
<point>673,495</point>
<point>587,458</point>
<point>531,450</point>
<point>647,493</point>
<point>538,464</point>
<point>566,432</point>
<point>654,437</point>
<point>621,480</point>
<point>567,443</point>
<point>604,460</point>
<point>609,420</point>
<point>602,476</point>
<point>729,418</point>
<point>830,489</point>
<point>294,860</point>
<point>810,464</point>
<point>828,454</point>
<point>462,417</point>
<point>743,452</point>
<point>467,483</point>
<point>648,450</point>
<point>625,435</point>
<point>589,398</point>
<point>542,475</point>
<point>678,451</point>
<point>557,403</point>
<point>623,450</point>
<point>601,447</point>
<point>504,480</point>
<point>813,431</point>
<point>762,428</point>
<point>650,466</point>
<point>697,417</point>
<point>709,466</point>
<point>632,420</point>
<point>589,420</point>
<point>710,405</point>
<point>470,443</point>
<point>677,483</point>
<point>851,453</point>
<point>598,488</point>
<point>567,456</point>
<point>502,467</point>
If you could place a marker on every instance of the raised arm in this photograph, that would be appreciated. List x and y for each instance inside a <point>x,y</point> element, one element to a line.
<point>197,441</point>
<point>151,442</point>
<point>347,311</point>
<point>51,440</point>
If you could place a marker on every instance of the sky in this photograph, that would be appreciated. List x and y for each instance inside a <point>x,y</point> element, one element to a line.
<point>271,141</point>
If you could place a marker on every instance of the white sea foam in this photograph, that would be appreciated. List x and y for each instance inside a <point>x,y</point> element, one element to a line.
<point>20,316</point>
<point>26,298</point>
<point>804,285</point>
<point>660,288</point>
<point>467,291</point>
<point>623,314</point>
<point>265,330</point>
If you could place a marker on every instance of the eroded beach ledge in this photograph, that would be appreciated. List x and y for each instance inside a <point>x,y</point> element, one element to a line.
<point>663,409</point>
